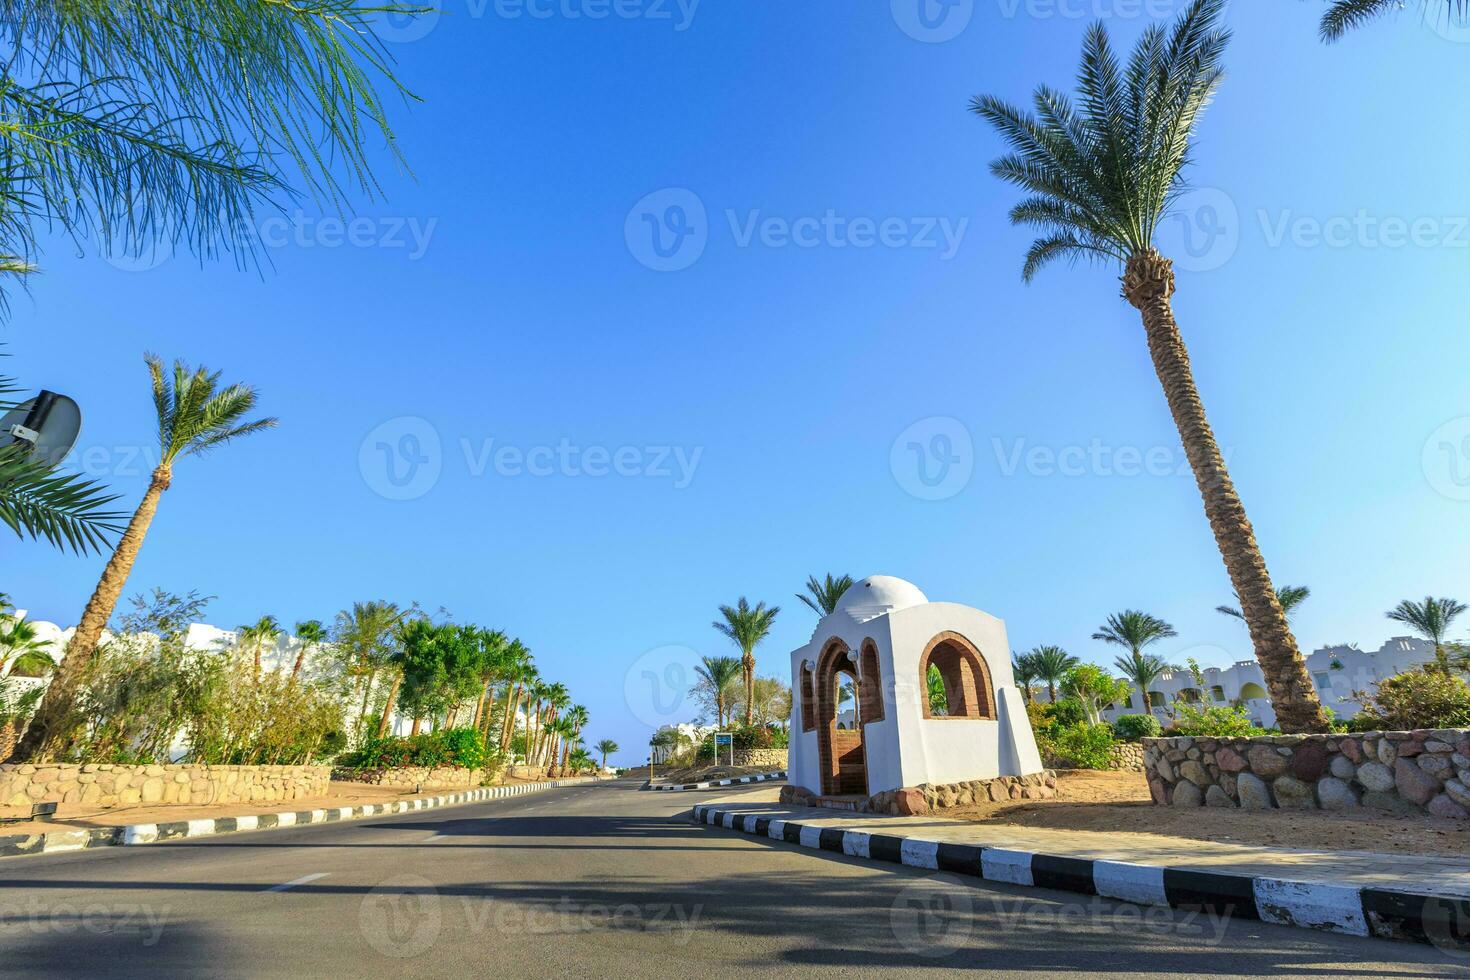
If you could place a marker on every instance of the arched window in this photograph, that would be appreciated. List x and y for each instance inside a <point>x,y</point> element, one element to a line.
<point>872,683</point>
<point>1252,692</point>
<point>967,689</point>
<point>808,700</point>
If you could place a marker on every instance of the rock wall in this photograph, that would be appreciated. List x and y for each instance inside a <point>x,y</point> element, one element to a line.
<point>1126,755</point>
<point>185,785</point>
<point>772,758</point>
<point>912,800</point>
<point>414,777</point>
<point>1420,772</point>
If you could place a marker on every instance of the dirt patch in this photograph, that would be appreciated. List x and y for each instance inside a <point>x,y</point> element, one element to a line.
<point>703,774</point>
<point>1118,803</point>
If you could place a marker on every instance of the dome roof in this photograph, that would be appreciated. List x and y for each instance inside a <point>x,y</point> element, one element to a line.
<point>877,595</point>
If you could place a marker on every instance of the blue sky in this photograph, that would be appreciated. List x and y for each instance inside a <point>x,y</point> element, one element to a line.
<point>502,294</point>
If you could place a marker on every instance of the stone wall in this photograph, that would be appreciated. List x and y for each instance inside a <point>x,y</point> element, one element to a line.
<point>764,758</point>
<point>1418,772</point>
<point>414,777</point>
<point>185,785</point>
<point>912,800</point>
<point>1126,755</point>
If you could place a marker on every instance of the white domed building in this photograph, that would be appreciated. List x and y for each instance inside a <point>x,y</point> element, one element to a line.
<point>862,723</point>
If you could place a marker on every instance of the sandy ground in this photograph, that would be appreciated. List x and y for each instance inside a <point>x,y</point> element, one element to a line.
<point>700,774</point>
<point>1118,802</point>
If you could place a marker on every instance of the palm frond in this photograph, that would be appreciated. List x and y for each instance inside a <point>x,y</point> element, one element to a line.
<point>63,509</point>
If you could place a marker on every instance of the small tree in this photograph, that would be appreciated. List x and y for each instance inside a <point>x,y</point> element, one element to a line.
<point>1092,686</point>
<point>607,747</point>
<point>1051,664</point>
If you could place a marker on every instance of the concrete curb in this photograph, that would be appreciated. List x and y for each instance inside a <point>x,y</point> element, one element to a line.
<point>52,842</point>
<point>1382,913</point>
<point>713,784</point>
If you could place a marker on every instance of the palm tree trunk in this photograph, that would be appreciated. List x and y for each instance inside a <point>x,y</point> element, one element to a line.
<point>1051,690</point>
<point>747,661</point>
<point>367,690</point>
<point>387,717</point>
<point>296,669</point>
<point>416,723</point>
<point>51,722</point>
<point>1148,283</point>
<point>508,726</point>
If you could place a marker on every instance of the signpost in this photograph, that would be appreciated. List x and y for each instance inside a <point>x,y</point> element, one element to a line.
<point>723,739</point>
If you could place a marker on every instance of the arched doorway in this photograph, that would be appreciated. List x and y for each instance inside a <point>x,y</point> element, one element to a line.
<point>839,723</point>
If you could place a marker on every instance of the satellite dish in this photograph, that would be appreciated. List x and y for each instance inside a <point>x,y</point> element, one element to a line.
<point>49,424</point>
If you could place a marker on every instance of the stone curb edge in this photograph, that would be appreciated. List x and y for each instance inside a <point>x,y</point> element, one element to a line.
<point>738,781</point>
<point>52,842</point>
<point>1350,909</point>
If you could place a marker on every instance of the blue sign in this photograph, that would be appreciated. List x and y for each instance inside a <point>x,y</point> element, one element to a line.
<point>724,738</point>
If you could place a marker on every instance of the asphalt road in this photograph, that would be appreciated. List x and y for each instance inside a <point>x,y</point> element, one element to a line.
<point>598,881</point>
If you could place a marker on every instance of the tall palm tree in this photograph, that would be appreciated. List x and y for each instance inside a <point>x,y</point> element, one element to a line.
<point>365,640</point>
<point>1135,631</point>
<point>1431,619</point>
<point>21,648</point>
<point>607,746</point>
<point>576,718</point>
<point>1101,177</point>
<point>1051,664</point>
<point>747,626</point>
<point>524,673</point>
<point>1345,15</point>
<point>1290,596</point>
<point>309,633</point>
<point>823,596</point>
<point>195,415</point>
<point>719,673</point>
<point>1023,667</point>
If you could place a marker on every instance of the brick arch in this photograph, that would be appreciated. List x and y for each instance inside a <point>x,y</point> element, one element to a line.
<point>842,754</point>
<point>870,683</point>
<point>808,699</point>
<point>967,685</point>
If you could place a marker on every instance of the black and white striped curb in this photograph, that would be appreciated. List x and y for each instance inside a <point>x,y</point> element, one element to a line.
<point>737,781</point>
<point>147,833</point>
<point>1384,913</point>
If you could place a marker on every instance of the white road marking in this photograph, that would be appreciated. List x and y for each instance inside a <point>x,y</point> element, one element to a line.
<point>287,886</point>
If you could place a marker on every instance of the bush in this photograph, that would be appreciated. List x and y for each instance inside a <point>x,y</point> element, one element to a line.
<point>1084,746</point>
<point>1131,728</point>
<point>1418,699</point>
<point>1212,720</point>
<point>460,748</point>
<point>1069,713</point>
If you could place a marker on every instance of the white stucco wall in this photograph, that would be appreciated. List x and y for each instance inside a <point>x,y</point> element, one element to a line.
<point>905,748</point>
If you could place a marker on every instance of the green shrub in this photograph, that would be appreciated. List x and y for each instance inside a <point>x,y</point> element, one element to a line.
<point>461,748</point>
<point>1084,746</point>
<point>1212,720</point>
<point>1417,699</point>
<point>1069,713</point>
<point>1131,728</point>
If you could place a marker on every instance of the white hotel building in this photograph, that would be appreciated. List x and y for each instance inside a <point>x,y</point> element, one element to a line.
<point>1336,671</point>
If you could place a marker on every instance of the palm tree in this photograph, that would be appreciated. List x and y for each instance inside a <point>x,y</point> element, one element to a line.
<point>747,626</point>
<point>576,719</point>
<point>21,648</point>
<point>1050,664</point>
<point>607,746</point>
<point>1431,619</point>
<point>1290,596</point>
<point>1024,669</point>
<point>1134,631</point>
<point>1345,15</point>
<point>258,635</point>
<point>365,637</point>
<point>309,633</point>
<point>824,595</point>
<point>195,415</point>
<point>1101,177</point>
<point>523,672</point>
<point>719,673</point>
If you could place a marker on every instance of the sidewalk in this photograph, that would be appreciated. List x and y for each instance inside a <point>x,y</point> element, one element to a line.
<point>1359,892</point>
<point>87,827</point>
